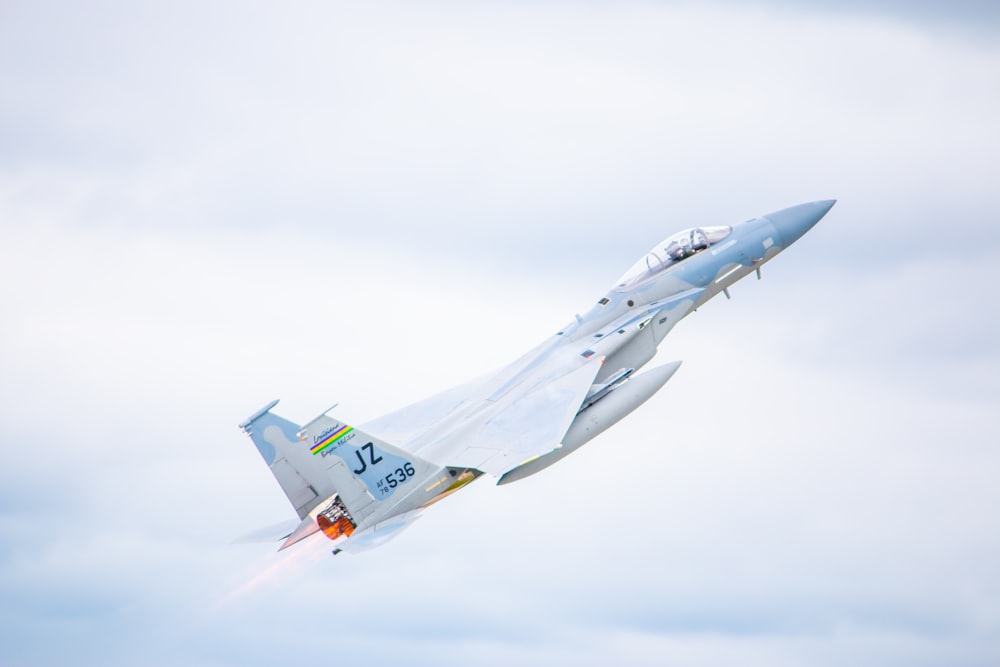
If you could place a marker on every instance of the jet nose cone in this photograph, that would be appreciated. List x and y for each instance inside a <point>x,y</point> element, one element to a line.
<point>794,221</point>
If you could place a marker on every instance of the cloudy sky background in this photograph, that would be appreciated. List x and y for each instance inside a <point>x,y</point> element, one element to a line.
<point>204,206</point>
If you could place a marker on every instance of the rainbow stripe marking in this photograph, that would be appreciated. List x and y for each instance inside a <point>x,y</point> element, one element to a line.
<point>331,438</point>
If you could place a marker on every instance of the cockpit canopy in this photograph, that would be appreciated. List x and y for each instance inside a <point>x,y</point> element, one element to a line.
<point>672,250</point>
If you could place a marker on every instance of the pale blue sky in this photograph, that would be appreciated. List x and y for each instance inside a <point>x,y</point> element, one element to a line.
<point>207,206</point>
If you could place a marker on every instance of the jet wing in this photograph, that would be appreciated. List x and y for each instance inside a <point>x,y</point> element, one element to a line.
<point>504,435</point>
<point>402,426</point>
<point>408,426</point>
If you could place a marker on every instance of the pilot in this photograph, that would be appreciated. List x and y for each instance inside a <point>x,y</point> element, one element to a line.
<point>676,252</point>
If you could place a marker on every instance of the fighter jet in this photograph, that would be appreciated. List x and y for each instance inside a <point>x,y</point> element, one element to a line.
<point>360,485</point>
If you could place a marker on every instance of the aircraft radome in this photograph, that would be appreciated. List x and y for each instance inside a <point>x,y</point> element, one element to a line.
<point>361,485</point>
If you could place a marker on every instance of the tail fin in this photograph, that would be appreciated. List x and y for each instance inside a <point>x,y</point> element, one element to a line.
<point>335,476</point>
<point>381,468</point>
<point>302,478</point>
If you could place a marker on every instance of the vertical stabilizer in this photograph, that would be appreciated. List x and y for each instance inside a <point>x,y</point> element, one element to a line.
<point>300,476</point>
<point>338,478</point>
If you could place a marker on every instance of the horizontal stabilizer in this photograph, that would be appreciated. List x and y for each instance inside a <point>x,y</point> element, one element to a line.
<point>274,533</point>
<point>379,534</point>
<point>308,527</point>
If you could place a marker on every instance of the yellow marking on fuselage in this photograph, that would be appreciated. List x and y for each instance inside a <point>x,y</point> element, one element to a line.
<point>436,484</point>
